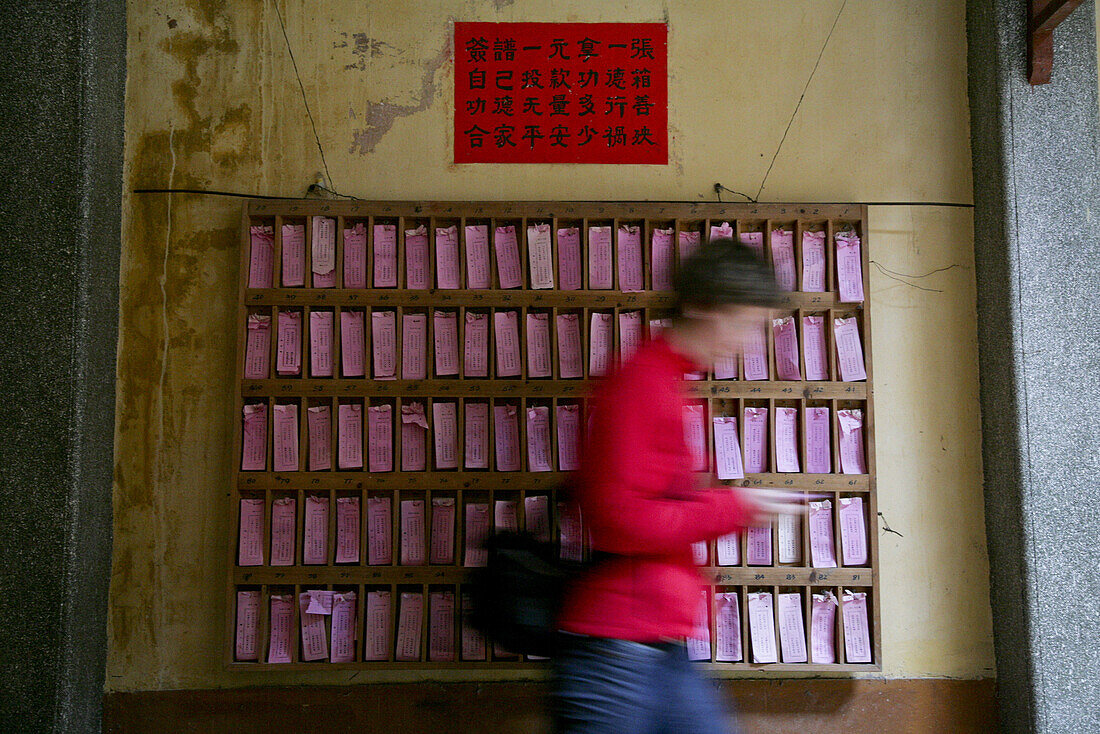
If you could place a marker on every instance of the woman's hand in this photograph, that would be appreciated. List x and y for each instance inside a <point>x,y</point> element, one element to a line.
<point>770,502</point>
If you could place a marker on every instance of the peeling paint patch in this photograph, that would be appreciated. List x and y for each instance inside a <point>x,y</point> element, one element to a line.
<point>502,4</point>
<point>364,48</point>
<point>380,116</point>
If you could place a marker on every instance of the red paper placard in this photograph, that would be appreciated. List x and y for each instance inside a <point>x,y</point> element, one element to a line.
<point>561,93</point>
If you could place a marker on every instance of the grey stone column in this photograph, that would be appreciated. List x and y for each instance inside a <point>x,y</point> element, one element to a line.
<point>1037,251</point>
<point>63,71</point>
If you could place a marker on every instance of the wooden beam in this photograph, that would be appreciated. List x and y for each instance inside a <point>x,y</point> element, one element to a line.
<point>1043,16</point>
<point>1054,13</point>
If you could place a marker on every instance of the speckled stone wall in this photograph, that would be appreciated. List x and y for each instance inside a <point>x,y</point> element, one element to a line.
<point>1037,251</point>
<point>63,71</point>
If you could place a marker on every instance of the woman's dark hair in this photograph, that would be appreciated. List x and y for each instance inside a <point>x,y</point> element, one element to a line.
<point>724,273</point>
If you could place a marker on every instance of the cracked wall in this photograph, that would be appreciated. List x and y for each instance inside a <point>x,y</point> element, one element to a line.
<point>213,102</point>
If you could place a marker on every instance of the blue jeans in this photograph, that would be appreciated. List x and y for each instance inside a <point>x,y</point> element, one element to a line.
<point>607,686</point>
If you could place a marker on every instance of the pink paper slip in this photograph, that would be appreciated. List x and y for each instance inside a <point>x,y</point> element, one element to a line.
<point>853,531</point>
<point>379,622</point>
<point>476,535</point>
<point>727,450</point>
<point>414,346</point>
<point>857,633</point>
<point>410,620</point>
<point>349,436</point>
<point>823,628</point>
<point>247,646</point>
<point>254,440</point>
<point>344,618</point>
<point>509,270</point>
<point>849,351</point>
<point>569,346</point>
<point>320,602</point>
<point>786,349</point>
<point>783,258</point>
<point>445,338</point>
<point>261,255</point>
<point>478,274</point>
<point>283,519</point>
<point>412,533</point>
<point>320,344</point>
<point>505,517</point>
<point>285,456</point>
<point>475,347</point>
<point>754,354</point>
<point>789,531</point>
<point>756,440</point>
<point>323,252</point>
<point>851,442</point>
<point>849,268</point>
<point>538,344</point>
<point>699,553</point>
<point>506,428</point>
<point>695,434</point>
<point>417,270</point>
<point>352,347</point>
<point>727,623</point>
<point>570,274</point>
<point>762,627</point>
<point>720,231</point>
<point>819,458</point>
<point>282,625</point>
<point>380,438</point>
<point>688,243</point>
<point>698,645</point>
<point>813,262</point>
<point>315,532</point>
<point>473,642</point>
<point>385,256</point>
<point>250,540</point>
<point>355,256</point>
<point>725,368</point>
<point>758,545</point>
<point>414,437</point>
<point>821,535</point>
<point>728,549</point>
<point>792,632</point>
<point>347,530</point>
<point>257,351</point>
<point>384,344</point>
<point>540,253</point>
<point>631,333</point>
<point>570,532</point>
<point>786,440</point>
<point>442,542</point>
<point>445,434</point>
<point>448,270</point>
<point>754,241</point>
<point>379,531</point>
<point>294,255</point>
<point>539,451</point>
<point>629,251</point>
<point>813,347</point>
<point>660,254</point>
<point>599,355</point>
<point>600,272</point>
<point>477,435</point>
<point>288,359</point>
<point>506,333</point>
<point>568,429</point>
<point>441,625</point>
<point>536,514</point>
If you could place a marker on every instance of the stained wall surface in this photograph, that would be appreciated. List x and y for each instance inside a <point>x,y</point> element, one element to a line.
<point>213,102</point>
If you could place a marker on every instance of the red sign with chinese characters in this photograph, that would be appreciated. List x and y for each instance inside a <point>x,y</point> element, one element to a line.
<point>561,93</point>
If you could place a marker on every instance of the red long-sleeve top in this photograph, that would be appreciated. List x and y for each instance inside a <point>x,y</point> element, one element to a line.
<point>636,492</point>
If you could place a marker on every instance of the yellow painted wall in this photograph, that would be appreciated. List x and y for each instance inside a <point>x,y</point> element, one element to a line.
<point>212,102</point>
